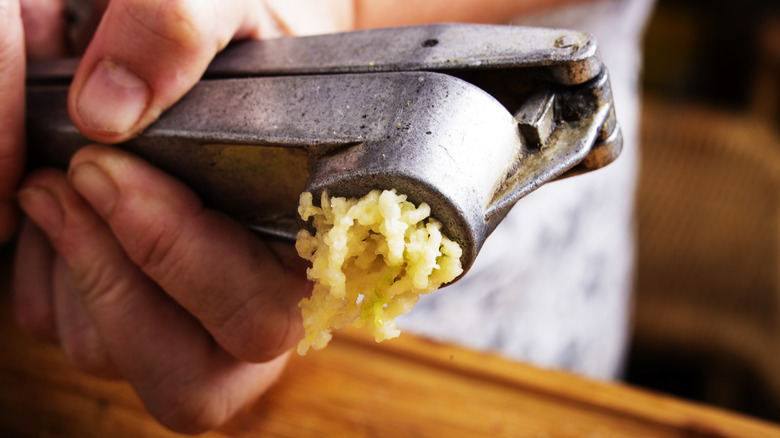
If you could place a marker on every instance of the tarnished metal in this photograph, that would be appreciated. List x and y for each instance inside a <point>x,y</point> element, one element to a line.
<point>467,118</point>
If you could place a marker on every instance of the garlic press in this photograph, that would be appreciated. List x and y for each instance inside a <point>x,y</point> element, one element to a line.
<point>468,118</point>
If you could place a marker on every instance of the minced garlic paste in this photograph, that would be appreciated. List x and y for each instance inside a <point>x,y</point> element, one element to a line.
<point>371,259</point>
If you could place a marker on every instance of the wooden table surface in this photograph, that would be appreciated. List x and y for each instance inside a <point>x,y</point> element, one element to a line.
<point>408,387</point>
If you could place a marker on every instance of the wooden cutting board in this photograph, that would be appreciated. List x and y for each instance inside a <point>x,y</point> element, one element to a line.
<point>408,387</point>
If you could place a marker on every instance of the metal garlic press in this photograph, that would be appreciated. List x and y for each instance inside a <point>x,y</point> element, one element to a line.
<point>468,118</point>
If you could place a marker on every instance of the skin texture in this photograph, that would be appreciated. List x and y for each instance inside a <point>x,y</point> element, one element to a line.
<point>385,13</point>
<point>12,60</point>
<point>133,297</point>
<point>119,263</point>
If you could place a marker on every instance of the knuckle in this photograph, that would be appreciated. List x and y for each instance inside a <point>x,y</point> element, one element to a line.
<point>156,253</point>
<point>98,284</point>
<point>260,339</point>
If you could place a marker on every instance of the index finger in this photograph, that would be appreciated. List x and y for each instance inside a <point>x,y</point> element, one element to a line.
<point>12,72</point>
<point>242,289</point>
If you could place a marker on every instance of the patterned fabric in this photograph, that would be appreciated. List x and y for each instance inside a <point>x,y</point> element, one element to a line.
<point>552,285</point>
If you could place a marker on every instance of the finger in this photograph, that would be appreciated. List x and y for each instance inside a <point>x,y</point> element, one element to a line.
<point>145,55</point>
<point>306,17</point>
<point>44,28</point>
<point>31,284</point>
<point>78,336</point>
<point>243,291</point>
<point>185,380</point>
<point>371,13</point>
<point>12,63</point>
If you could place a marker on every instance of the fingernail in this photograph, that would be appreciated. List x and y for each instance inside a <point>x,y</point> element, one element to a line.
<point>113,98</point>
<point>96,187</point>
<point>43,208</point>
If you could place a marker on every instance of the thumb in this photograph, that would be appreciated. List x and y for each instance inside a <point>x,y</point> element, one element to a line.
<point>145,55</point>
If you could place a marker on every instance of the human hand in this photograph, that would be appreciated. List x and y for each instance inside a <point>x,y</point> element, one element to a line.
<point>135,279</point>
<point>121,264</point>
<point>146,54</point>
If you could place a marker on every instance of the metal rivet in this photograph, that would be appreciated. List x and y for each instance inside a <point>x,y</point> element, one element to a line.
<point>565,42</point>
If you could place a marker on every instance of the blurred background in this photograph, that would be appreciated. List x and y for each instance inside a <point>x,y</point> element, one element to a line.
<point>707,306</point>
